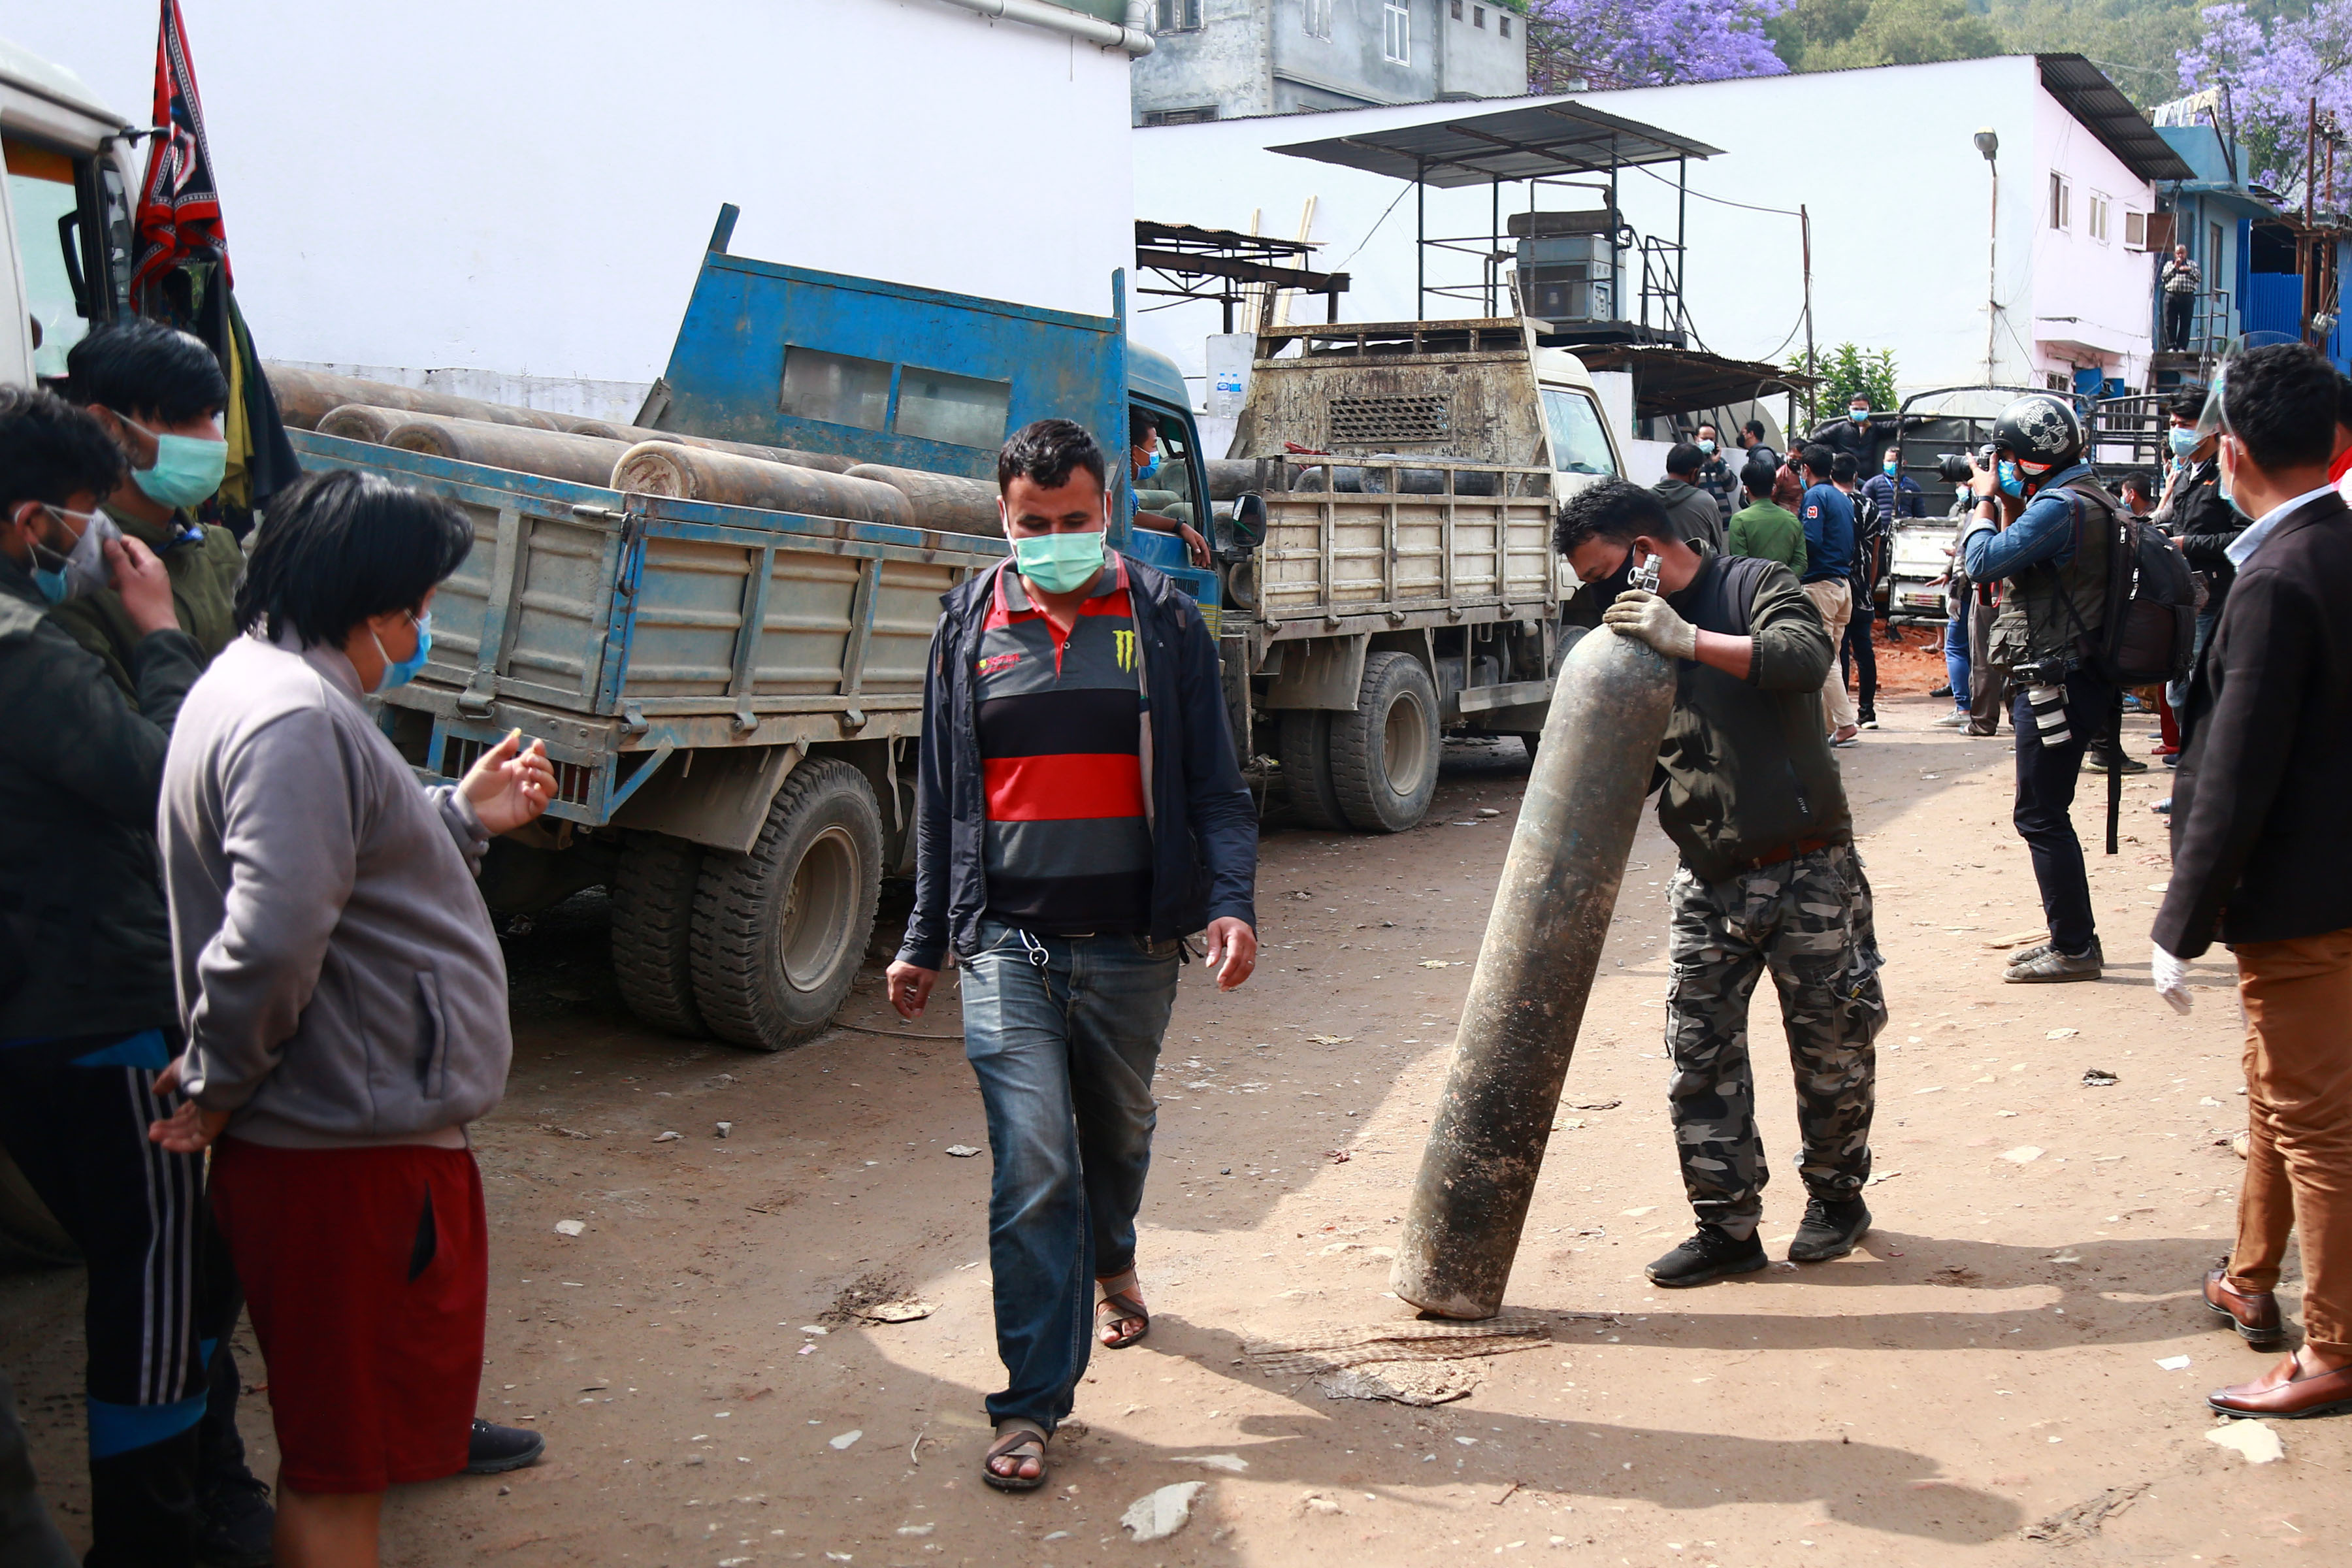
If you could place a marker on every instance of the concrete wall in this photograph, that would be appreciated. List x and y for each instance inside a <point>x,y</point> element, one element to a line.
<point>524,189</point>
<point>1476,58</point>
<point>1899,245</point>
<point>1223,65</point>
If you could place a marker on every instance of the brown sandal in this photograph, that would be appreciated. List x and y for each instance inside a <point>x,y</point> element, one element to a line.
<point>1121,1306</point>
<point>1012,1437</point>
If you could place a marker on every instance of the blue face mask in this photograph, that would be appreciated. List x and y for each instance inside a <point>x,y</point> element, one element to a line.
<point>1890,468</point>
<point>187,470</point>
<point>2012,485</point>
<point>401,671</point>
<point>1150,468</point>
<point>1857,414</point>
<point>2183,442</point>
<point>1707,446</point>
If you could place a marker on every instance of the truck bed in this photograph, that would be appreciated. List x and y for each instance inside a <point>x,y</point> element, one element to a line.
<point>620,629</point>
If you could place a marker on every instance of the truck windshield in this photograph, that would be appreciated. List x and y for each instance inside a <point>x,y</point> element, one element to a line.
<point>40,193</point>
<point>1580,444</point>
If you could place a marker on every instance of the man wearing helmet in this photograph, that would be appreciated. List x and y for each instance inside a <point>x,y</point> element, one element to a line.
<point>2053,553</point>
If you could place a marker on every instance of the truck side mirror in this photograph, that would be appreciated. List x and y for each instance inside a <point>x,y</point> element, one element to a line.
<point>1240,531</point>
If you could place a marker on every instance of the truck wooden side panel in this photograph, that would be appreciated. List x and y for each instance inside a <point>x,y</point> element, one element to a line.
<point>1336,554</point>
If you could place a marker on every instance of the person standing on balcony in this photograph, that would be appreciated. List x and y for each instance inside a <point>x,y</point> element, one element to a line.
<point>2181,281</point>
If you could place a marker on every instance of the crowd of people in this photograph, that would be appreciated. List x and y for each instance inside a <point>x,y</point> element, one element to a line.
<point>251,998</point>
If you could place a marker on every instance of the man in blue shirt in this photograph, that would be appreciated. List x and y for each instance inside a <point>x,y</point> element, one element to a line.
<point>2054,557</point>
<point>1828,517</point>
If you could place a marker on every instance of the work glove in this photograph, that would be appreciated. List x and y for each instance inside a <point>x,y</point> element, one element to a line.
<point>2171,976</point>
<point>1637,613</point>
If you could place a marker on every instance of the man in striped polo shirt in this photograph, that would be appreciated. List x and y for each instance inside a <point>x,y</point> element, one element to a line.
<point>1078,815</point>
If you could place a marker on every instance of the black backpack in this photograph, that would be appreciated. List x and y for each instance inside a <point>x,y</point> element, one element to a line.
<point>2149,632</point>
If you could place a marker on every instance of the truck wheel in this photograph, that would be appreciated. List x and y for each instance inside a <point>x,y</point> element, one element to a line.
<point>779,933</point>
<point>1305,737</point>
<point>1384,755</point>
<point>30,1234</point>
<point>653,930</point>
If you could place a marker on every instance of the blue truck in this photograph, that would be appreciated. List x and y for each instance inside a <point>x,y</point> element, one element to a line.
<point>731,695</point>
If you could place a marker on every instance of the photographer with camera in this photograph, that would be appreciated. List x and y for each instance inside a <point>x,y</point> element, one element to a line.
<point>2053,555</point>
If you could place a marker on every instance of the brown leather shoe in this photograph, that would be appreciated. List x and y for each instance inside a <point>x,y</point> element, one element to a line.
<point>2253,1313</point>
<point>2279,1393</point>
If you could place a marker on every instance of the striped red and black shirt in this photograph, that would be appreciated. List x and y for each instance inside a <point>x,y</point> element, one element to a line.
<point>1063,728</point>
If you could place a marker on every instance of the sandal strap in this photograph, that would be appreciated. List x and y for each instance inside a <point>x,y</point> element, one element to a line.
<point>1015,1435</point>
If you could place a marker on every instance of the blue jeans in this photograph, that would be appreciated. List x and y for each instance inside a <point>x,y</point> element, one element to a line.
<point>1062,1034</point>
<point>2176,691</point>
<point>1956,656</point>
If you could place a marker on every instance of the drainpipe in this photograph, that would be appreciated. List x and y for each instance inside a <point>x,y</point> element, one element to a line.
<point>1135,37</point>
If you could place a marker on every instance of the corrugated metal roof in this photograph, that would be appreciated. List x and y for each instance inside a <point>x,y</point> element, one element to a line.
<point>1540,141</point>
<point>2108,115</point>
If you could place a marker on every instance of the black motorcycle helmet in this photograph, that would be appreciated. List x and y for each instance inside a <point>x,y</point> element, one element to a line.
<point>2040,433</point>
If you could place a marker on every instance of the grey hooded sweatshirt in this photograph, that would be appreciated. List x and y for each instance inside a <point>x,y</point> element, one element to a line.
<point>339,977</point>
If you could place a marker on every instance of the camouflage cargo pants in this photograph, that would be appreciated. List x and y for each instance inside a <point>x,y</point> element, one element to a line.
<point>1807,921</point>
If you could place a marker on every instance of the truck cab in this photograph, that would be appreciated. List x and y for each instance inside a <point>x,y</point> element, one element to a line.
<point>67,204</point>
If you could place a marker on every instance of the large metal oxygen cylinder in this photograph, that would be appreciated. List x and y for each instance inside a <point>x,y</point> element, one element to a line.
<point>1552,913</point>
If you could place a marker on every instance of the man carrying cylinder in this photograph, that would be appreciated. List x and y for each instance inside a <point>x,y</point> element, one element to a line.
<point>1770,879</point>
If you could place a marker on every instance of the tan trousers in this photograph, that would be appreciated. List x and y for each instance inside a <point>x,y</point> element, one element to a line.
<point>2299,1000</point>
<point>1834,600</point>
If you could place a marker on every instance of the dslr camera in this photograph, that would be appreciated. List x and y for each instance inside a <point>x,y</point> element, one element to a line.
<point>2044,681</point>
<point>1958,467</point>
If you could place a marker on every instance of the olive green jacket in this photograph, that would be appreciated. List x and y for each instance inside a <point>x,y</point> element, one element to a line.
<point>1762,529</point>
<point>206,564</point>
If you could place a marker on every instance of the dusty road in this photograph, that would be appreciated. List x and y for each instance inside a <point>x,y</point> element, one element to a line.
<point>1987,1361</point>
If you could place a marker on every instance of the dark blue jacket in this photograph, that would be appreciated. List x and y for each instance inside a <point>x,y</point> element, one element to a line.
<point>1204,824</point>
<point>1829,533</point>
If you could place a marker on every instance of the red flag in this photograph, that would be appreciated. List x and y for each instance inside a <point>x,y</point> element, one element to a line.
<point>179,215</point>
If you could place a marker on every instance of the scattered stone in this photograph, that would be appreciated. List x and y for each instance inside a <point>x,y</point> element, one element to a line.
<point>2098,1078</point>
<point>845,1439</point>
<point>724,1128</point>
<point>961,1150</point>
<point>667,1136</point>
<point>2023,1154</point>
<point>916,1528</point>
<point>569,1227</point>
<point>1312,1503</point>
<point>1488,811</point>
<point>2173,1362</point>
<point>2254,1440</point>
<point>1155,1516</point>
<point>2062,1034</point>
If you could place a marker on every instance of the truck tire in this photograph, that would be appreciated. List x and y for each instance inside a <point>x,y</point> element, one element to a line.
<point>1384,755</point>
<point>653,930</point>
<point>30,1236</point>
<point>1305,737</point>
<point>779,933</point>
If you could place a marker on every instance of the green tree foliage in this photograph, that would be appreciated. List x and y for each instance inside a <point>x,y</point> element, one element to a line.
<point>1832,35</point>
<point>1846,371</point>
<point>2136,42</point>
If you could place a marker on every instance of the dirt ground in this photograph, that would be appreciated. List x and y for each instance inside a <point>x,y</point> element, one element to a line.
<point>1989,1361</point>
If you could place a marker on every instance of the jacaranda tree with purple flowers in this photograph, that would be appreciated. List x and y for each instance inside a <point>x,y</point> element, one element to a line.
<point>2268,73</point>
<point>1578,44</point>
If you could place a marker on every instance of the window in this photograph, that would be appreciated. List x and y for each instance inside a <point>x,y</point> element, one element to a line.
<point>1457,10</point>
<point>2098,217</point>
<point>49,237</point>
<point>1579,443</point>
<point>1477,15</point>
<point>836,389</point>
<point>1503,20</point>
<point>2134,231</point>
<point>1318,18</point>
<point>2062,202</point>
<point>1178,17</point>
<point>2213,246</point>
<point>2057,380</point>
<point>961,410</point>
<point>1200,115</point>
<point>1396,34</point>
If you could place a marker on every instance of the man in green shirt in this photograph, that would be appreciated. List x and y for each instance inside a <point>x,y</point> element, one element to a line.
<point>159,392</point>
<point>1764,529</point>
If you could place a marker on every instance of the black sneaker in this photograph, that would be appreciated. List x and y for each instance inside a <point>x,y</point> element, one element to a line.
<point>233,1522</point>
<point>1709,1255</point>
<point>494,1450</point>
<point>1830,1230</point>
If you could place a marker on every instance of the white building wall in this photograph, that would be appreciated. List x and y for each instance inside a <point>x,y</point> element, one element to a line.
<point>2090,295</point>
<point>1898,222</point>
<point>522,190</point>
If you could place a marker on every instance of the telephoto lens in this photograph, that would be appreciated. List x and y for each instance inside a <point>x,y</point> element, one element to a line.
<point>1954,468</point>
<point>2045,699</point>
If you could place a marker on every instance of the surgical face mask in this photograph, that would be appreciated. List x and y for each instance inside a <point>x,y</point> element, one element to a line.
<point>1707,447</point>
<point>1890,468</point>
<point>2011,483</point>
<point>2183,441</point>
<point>1149,468</point>
<point>401,671</point>
<point>82,569</point>
<point>1857,414</point>
<point>1059,563</point>
<point>187,470</point>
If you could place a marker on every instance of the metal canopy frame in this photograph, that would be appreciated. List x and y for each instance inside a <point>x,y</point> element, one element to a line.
<point>1546,143</point>
<point>1228,267</point>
